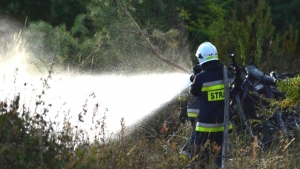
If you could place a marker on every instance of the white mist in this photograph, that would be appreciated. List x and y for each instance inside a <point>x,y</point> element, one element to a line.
<point>128,97</point>
<point>117,96</point>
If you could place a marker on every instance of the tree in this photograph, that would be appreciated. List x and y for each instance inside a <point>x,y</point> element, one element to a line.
<point>104,39</point>
<point>153,49</point>
<point>54,12</point>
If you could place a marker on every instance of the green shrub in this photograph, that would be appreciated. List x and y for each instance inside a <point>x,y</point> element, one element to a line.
<point>291,88</point>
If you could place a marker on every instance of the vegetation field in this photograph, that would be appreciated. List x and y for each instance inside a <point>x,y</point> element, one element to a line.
<point>132,37</point>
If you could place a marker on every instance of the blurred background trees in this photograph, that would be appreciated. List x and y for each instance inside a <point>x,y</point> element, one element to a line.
<point>96,35</point>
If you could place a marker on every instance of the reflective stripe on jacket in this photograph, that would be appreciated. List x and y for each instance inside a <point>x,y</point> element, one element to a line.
<point>193,107</point>
<point>214,89</point>
<point>211,127</point>
<point>192,113</point>
<point>209,87</point>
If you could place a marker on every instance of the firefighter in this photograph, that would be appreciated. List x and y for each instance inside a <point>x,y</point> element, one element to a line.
<point>209,87</point>
<point>189,111</point>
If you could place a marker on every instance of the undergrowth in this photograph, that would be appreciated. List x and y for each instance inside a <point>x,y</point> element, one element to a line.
<point>27,140</point>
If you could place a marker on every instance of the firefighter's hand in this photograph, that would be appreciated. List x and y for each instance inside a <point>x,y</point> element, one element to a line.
<point>192,77</point>
<point>182,117</point>
<point>197,69</point>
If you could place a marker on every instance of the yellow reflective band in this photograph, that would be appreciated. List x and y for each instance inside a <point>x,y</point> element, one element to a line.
<point>211,57</point>
<point>214,87</point>
<point>215,95</point>
<point>211,83</point>
<point>192,114</point>
<point>212,129</point>
<point>209,124</point>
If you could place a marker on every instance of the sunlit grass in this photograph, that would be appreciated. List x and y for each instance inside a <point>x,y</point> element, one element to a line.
<point>77,135</point>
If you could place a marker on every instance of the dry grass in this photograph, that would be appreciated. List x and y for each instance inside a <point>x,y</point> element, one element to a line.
<point>27,140</point>
<point>139,148</point>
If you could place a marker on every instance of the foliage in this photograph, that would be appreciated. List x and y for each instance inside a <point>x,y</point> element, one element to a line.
<point>260,31</point>
<point>157,14</point>
<point>54,12</point>
<point>46,42</point>
<point>247,28</point>
<point>97,36</point>
<point>103,39</point>
<point>234,27</point>
<point>28,141</point>
<point>284,14</point>
<point>206,20</point>
<point>291,88</point>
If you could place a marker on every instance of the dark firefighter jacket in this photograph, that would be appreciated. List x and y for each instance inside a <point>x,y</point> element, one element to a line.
<point>209,86</point>
<point>193,104</point>
<point>190,103</point>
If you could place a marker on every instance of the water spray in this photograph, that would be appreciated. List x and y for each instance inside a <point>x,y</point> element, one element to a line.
<point>73,95</point>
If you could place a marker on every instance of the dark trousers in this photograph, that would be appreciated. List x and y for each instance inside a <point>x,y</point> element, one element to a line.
<point>193,124</point>
<point>203,141</point>
<point>190,144</point>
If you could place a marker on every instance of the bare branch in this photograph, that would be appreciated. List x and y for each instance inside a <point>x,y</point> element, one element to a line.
<point>154,51</point>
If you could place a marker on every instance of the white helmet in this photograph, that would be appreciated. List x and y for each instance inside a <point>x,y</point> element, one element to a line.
<point>206,52</point>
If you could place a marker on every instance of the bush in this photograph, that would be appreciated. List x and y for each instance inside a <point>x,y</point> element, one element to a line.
<point>291,88</point>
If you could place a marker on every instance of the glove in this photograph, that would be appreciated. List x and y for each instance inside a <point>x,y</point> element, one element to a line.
<point>192,78</point>
<point>182,117</point>
<point>197,69</point>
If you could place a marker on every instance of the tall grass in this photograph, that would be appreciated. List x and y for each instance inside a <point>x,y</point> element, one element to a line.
<point>28,140</point>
